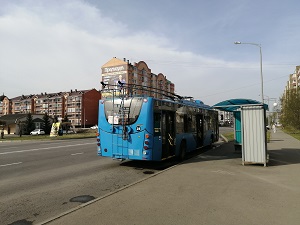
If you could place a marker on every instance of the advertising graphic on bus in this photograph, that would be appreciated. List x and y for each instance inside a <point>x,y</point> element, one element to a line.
<point>143,127</point>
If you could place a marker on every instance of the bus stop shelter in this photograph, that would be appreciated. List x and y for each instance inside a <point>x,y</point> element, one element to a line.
<point>249,128</point>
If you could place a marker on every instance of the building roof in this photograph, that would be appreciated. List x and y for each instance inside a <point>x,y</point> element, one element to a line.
<point>2,97</point>
<point>38,120</point>
<point>113,62</point>
<point>48,95</point>
<point>234,104</point>
<point>11,118</point>
<point>78,92</point>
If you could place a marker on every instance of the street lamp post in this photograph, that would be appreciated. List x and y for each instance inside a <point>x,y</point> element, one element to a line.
<point>271,112</point>
<point>261,73</point>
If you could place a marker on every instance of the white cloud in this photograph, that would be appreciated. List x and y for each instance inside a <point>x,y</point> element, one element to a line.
<point>57,47</point>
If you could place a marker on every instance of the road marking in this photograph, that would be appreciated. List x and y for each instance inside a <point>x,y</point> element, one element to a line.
<point>223,172</point>
<point>79,153</point>
<point>41,149</point>
<point>11,164</point>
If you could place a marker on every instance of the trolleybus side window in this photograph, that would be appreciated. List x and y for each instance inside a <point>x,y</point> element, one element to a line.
<point>157,120</point>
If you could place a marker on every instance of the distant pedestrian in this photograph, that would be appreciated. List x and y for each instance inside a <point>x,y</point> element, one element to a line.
<point>274,128</point>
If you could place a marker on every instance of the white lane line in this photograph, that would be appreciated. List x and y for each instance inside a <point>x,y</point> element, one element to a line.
<point>79,153</point>
<point>223,172</point>
<point>40,149</point>
<point>11,164</point>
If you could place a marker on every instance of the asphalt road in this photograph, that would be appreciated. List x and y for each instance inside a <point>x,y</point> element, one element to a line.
<point>44,178</point>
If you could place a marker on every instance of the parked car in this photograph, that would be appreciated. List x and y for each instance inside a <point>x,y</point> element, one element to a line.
<point>68,132</point>
<point>37,132</point>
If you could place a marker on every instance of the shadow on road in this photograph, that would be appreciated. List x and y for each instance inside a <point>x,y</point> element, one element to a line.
<point>150,165</point>
<point>285,156</point>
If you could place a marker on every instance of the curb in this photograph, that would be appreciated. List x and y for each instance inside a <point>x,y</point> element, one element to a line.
<point>224,138</point>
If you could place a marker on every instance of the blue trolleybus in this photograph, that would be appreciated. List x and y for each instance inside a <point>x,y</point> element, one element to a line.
<point>148,128</point>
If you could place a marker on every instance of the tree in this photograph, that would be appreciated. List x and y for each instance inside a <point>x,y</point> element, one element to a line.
<point>291,109</point>
<point>66,123</point>
<point>55,119</point>
<point>29,124</point>
<point>66,118</point>
<point>2,125</point>
<point>46,125</point>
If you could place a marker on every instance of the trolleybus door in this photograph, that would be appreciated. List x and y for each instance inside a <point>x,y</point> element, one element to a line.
<point>168,133</point>
<point>157,142</point>
<point>199,127</point>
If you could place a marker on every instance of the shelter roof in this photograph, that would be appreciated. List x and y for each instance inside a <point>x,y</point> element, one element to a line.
<point>11,118</point>
<point>234,104</point>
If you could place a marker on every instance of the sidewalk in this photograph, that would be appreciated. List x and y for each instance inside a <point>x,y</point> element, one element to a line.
<point>212,188</point>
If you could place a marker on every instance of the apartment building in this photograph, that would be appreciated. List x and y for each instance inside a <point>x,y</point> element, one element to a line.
<point>138,74</point>
<point>23,104</point>
<point>294,80</point>
<point>81,106</point>
<point>50,103</point>
<point>5,105</point>
<point>293,83</point>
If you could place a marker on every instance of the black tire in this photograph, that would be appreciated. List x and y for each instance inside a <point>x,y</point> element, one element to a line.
<point>182,153</point>
<point>211,142</point>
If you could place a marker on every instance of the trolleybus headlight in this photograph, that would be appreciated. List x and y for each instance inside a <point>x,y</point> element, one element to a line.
<point>145,147</point>
<point>147,136</point>
<point>98,144</point>
<point>147,142</point>
<point>145,153</point>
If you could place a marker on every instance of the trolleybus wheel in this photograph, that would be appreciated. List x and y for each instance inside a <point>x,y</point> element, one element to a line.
<point>211,145</point>
<point>182,152</point>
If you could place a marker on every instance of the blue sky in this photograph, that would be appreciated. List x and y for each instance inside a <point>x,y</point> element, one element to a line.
<point>58,45</point>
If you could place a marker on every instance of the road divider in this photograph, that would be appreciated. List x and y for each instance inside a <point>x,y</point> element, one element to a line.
<point>11,164</point>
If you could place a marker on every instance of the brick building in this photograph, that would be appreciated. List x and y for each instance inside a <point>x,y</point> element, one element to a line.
<point>81,106</point>
<point>5,105</point>
<point>136,74</point>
